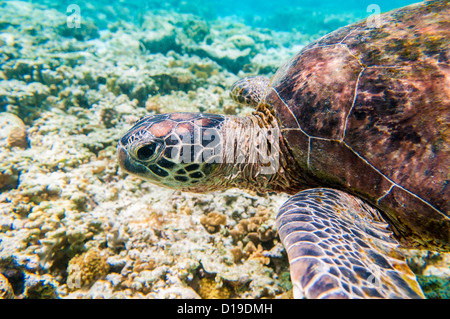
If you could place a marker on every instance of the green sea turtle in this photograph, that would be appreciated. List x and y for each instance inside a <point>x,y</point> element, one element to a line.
<point>356,127</point>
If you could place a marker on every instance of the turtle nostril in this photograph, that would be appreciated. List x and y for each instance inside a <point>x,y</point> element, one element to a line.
<point>146,152</point>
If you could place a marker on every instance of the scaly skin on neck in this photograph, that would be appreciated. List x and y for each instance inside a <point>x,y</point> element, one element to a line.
<point>255,156</point>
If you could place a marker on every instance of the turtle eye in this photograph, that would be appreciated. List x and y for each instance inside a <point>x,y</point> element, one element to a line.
<point>146,152</point>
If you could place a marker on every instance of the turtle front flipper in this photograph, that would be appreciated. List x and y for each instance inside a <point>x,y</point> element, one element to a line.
<point>339,247</point>
<point>249,90</point>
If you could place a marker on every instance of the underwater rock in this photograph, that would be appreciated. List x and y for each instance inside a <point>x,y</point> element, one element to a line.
<point>428,263</point>
<point>22,69</point>
<point>24,99</point>
<point>242,41</point>
<point>50,76</point>
<point>12,276</point>
<point>176,292</point>
<point>85,31</point>
<point>435,287</point>
<point>135,83</point>
<point>162,33</point>
<point>13,132</point>
<point>40,286</point>
<point>195,29</point>
<point>29,70</point>
<point>101,289</point>
<point>161,41</point>
<point>6,291</point>
<point>204,69</point>
<point>224,54</point>
<point>178,79</point>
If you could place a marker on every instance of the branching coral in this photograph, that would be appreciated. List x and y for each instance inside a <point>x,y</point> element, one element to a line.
<point>213,221</point>
<point>254,229</point>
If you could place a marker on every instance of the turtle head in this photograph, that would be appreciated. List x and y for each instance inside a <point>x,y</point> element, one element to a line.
<point>178,150</point>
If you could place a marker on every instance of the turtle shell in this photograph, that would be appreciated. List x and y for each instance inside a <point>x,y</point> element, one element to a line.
<point>366,109</point>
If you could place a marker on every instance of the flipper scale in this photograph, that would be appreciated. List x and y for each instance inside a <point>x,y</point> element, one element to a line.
<point>339,247</point>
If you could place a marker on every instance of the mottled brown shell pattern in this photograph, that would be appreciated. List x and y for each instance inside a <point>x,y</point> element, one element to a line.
<point>366,109</point>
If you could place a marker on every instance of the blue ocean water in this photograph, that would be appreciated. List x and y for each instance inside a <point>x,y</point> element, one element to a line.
<point>282,15</point>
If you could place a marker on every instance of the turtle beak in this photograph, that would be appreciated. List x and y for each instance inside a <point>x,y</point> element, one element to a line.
<point>122,157</point>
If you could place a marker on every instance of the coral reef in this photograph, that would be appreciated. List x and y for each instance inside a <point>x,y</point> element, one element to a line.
<point>254,228</point>
<point>42,287</point>
<point>435,287</point>
<point>13,132</point>
<point>212,222</point>
<point>72,224</point>
<point>6,291</point>
<point>210,289</point>
<point>85,269</point>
